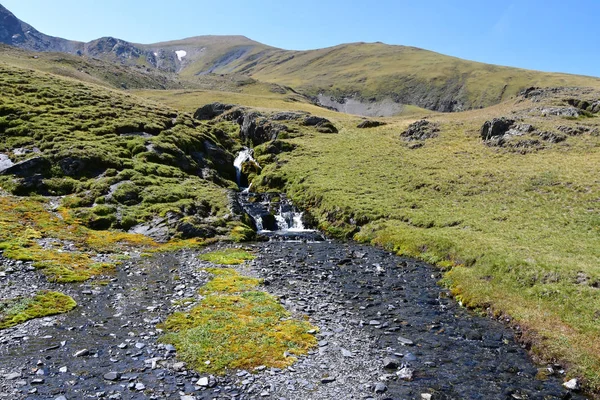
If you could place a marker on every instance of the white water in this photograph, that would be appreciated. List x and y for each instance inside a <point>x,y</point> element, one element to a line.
<point>244,156</point>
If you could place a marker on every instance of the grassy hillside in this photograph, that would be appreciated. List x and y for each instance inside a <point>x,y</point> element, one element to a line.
<point>408,75</point>
<point>517,230</point>
<point>89,70</point>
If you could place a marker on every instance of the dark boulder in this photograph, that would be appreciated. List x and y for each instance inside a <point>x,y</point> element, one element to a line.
<point>496,127</point>
<point>370,124</point>
<point>323,125</point>
<point>256,129</point>
<point>36,165</point>
<point>286,116</point>
<point>420,130</point>
<point>212,110</point>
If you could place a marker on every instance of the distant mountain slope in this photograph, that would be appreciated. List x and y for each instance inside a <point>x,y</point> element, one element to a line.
<point>355,78</point>
<point>17,33</point>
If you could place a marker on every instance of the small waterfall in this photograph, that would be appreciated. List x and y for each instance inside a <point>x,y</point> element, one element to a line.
<point>273,214</point>
<point>244,156</point>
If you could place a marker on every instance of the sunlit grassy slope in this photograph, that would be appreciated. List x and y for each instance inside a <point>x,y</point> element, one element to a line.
<point>376,71</point>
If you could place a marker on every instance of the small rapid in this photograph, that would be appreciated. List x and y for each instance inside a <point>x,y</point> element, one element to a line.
<point>274,216</point>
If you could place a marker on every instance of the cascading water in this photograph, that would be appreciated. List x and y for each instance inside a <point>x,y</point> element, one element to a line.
<point>244,156</point>
<point>273,214</point>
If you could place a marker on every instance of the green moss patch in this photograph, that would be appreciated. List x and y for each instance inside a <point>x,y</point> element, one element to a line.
<point>237,327</point>
<point>19,310</point>
<point>227,256</point>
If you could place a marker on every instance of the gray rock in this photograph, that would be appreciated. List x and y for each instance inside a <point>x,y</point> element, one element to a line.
<point>61,398</point>
<point>203,381</point>
<point>212,110</point>
<point>37,381</point>
<point>370,124</point>
<point>404,341</point>
<point>380,387</point>
<point>140,386</point>
<point>82,353</point>
<point>496,127</point>
<point>572,384</point>
<point>405,373</point>
<point>12,376</point>
<point>328,379</point>
<point>112,376</point>
<point>346,353</point>
<point>391,363</point>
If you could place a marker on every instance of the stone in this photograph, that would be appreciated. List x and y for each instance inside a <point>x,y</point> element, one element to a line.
<point>391,363</point>
<point>37,381</point>
<point>140,386</point>
<point>425,396</point>
<point>328,379</point>
<point>112,376</point>
<point>187,397</point>
<point>572,384</point>
<point>495,128</point>
<point>12,376</point>
<point>380,387</point>
<point>346,353</point>
<point>82,353</point>
<point>179,366</point>
<point>203,381</point>
<point>61,398</point>
<point>212,110</point>
<point>420,130</point>
<point>370,124</point>
<point>405,373</point>
<point>404,341</point>
<point>140,345</point>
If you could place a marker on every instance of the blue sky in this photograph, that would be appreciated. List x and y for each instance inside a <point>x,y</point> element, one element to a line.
<point>547,35</point>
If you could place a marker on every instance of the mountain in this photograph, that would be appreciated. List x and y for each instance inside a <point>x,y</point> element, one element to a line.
<point>17,33</point>
<point>361,78</point>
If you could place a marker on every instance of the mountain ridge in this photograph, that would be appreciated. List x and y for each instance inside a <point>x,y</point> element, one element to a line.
<point>367,74</point>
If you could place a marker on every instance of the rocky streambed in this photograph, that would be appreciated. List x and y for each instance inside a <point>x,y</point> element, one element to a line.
<point>387,331</point>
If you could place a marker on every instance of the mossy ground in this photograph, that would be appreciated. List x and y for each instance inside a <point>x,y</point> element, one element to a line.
<point>236,326</point>
<point>17,311</point>
<point>30,232</point>
<point>519,232</point>
<point>229,256</point>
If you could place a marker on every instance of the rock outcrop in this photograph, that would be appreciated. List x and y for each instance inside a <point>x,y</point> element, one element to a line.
<point>420,130</point>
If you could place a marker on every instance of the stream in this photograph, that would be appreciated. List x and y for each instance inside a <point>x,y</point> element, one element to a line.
<point>387,329</point>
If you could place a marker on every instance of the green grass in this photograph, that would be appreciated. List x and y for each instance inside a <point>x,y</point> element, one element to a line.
<point>45,303</point>
<point>235,326</point>
<point>515,230</point>
<point>228,256</point>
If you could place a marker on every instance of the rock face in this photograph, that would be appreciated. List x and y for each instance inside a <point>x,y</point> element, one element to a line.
<point>496,127</point>
<point>420,130</point>
<point>212,110</point>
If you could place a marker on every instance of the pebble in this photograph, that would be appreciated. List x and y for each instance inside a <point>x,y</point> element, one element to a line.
<point>203,381</point>
<point>140,386</point>
<point>112,376</point>
<point>405,342</point>
<point>572,384</point>
<point>12,376</point>
<point>61,398</point>
<point>380,387</point>
<point>81,353</point>
<point>405,373</point>
<point>391,363</point>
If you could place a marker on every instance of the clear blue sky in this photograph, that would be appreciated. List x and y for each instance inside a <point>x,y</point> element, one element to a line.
<point>549,35</point>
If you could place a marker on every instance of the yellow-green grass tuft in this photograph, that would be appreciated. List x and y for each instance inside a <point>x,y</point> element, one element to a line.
<point>228,256</point>
<point>45,303</point>
<point>236,326</point>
